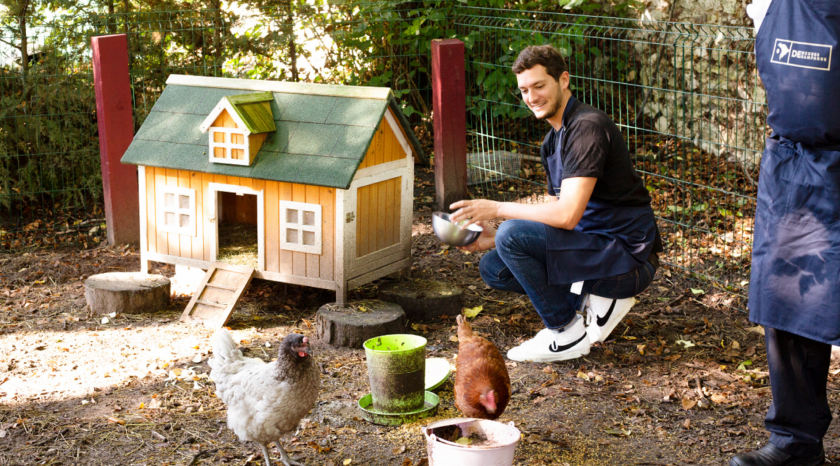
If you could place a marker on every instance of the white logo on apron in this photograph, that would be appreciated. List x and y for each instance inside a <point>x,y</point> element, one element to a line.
<point>802,55</point>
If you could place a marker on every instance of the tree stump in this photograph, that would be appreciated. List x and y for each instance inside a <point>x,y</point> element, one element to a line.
<point>126,292</point>
<point>350,326</point>
<point>423,300</point>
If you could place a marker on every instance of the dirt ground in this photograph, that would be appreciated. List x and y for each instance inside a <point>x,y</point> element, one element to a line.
<point>682,380</point>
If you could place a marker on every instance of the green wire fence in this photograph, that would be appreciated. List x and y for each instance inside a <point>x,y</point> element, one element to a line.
<point>686,97</point>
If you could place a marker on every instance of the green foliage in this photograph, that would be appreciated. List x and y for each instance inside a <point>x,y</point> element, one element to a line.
<point>49,151</point>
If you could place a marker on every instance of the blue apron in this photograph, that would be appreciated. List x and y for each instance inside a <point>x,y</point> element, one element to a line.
<point>608,240</point>
<point>795,275</point>
<point>797,58</point>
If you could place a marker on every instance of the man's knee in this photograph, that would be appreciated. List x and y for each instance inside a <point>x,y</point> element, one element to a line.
<point>508,233</point>
<point>490,267</point>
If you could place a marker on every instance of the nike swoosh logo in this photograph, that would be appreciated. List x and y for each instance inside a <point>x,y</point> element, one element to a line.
<point>601,321</point>
<point>556,349</point>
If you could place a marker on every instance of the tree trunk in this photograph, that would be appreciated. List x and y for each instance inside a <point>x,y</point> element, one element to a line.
<point>24,44</point>
<point>292,44</point>
<point>110,17</point>
<point>127,10</point>
<point>217,40</point>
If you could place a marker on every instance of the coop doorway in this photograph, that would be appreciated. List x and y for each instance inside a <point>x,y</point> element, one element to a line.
<point>238,217</point>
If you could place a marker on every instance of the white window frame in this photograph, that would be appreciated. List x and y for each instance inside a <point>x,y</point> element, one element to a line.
<point>188,230</point>
<point>229,146</point>
<point>316,229</point>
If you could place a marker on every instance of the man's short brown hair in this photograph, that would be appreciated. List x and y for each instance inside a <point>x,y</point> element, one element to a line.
<point>544,55</point>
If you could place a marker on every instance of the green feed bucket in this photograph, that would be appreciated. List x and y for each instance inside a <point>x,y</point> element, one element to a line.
<point>397,372</point>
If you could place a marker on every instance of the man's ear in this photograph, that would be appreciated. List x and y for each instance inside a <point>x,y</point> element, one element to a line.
<point>564,80</point>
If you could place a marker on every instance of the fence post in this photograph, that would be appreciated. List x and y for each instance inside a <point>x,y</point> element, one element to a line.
<point>116,129</point>
<point>450,121</point>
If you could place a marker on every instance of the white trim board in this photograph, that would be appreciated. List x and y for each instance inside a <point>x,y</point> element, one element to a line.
<point>294,279</point>
<point>144,246</point>
<point>224,104</point>
<point>399,164</point>
<point>358,92</point>
<point>213,190</point>
<point>340,262</point>
<point>392,122</point>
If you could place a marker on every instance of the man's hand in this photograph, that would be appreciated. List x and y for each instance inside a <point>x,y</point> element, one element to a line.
<point>565,213</point>
<point>474,211</point>
<point>485,241</point>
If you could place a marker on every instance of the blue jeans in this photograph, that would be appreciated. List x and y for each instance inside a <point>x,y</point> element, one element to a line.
<point>518,264</point>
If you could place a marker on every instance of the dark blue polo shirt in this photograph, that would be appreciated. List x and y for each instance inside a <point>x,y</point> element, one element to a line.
<point>617,232</point>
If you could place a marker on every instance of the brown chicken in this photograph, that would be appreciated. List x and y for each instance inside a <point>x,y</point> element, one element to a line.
<point>482,383</point>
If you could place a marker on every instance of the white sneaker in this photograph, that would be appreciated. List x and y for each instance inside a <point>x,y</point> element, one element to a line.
<point>554,345</point>
<point>603,314</point>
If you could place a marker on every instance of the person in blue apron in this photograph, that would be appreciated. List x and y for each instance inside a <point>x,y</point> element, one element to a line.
<point>594,244</point>
<point>795,276</point>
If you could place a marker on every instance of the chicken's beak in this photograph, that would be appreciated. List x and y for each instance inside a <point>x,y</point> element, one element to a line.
<point>302,350</point>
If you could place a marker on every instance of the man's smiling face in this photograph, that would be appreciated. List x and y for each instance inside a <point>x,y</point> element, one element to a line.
<point>540,92</point>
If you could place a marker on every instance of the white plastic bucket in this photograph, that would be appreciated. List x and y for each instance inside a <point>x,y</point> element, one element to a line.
<point>501,442</point>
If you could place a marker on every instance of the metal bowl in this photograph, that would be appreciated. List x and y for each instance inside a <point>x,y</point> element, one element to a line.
<point>451,233</point>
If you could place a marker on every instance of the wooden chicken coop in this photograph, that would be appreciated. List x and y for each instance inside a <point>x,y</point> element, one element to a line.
<point>319,177</point>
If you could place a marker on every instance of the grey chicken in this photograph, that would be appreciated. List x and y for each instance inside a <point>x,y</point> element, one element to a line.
<point>265,400</point>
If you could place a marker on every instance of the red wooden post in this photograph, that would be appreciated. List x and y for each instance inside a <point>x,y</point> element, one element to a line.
<point>449,97</point>
<point>116,129</point>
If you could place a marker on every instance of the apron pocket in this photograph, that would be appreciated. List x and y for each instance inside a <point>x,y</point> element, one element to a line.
<point>814,190</point>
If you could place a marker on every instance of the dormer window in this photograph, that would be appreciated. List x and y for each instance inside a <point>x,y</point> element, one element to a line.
<point>229,145</point>
<point>238,126</point>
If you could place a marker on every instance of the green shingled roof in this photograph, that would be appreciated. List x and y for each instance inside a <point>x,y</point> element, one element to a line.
<point>254,110</point>
<point>320,133</point>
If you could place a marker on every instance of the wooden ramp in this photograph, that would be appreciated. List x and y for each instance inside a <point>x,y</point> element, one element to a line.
<point>217,295</point>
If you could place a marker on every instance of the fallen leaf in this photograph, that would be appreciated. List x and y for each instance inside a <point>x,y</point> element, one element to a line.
<point>197,358</point>
<point>582,375</point>
<point>618,432</point>
<point>688,404</point>
<point>743,365</point>
<point>453,338</point>
<point>697,291</point>
<point>757,329</point>
<point>398,450</point>
<point>736,345</point>
<point>347,461</point>
<point>687,424</point>
<point>685,343</point>
<point>641,349</point>
<point>719,398</point>
<point>470,313</point>
<point>116,421</point>
<point>463,441</point>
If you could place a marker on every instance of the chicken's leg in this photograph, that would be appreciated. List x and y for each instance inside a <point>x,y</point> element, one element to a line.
<point>284,457</point>
<point>265,455</point>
